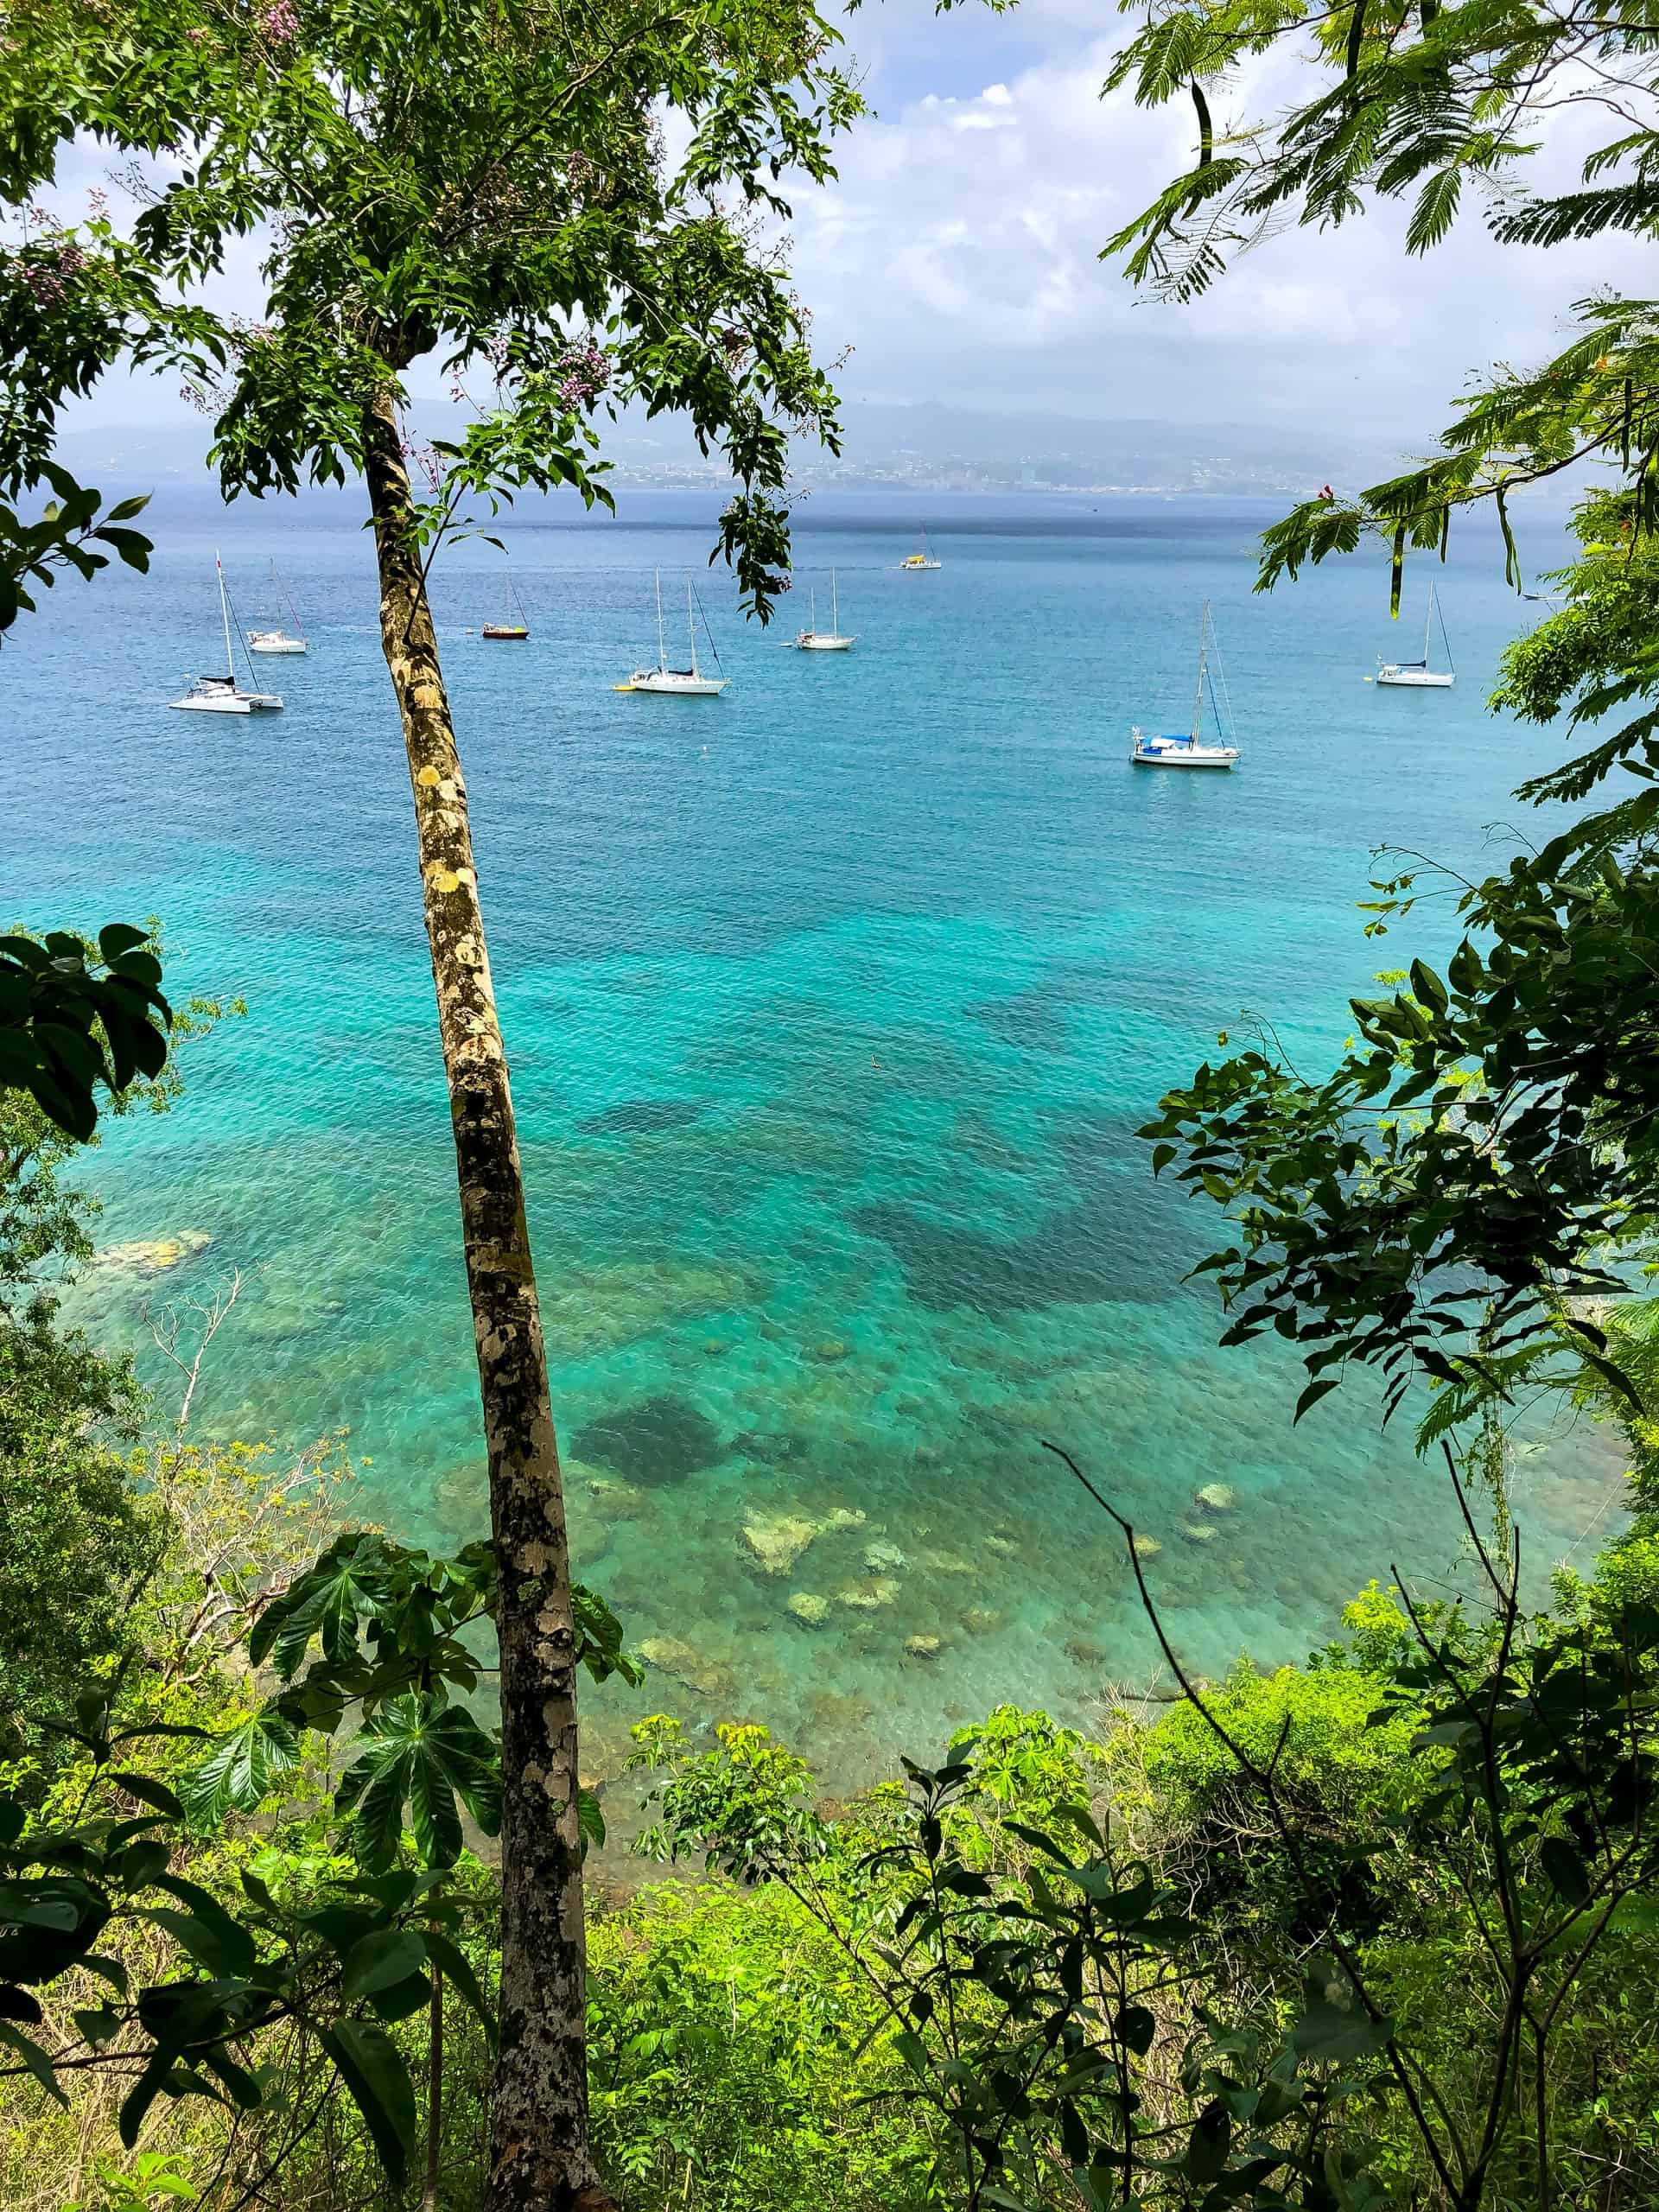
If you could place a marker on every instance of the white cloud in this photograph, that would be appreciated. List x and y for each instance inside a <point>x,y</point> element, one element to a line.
<point>958,255</point>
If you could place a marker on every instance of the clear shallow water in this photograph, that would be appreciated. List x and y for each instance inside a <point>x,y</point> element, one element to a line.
<point>832,1006</point>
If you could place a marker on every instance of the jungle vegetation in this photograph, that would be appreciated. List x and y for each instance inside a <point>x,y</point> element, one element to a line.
<point>1375,1930</point>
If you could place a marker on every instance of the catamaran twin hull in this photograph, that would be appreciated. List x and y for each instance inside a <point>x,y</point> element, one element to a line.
<point>213,694</point>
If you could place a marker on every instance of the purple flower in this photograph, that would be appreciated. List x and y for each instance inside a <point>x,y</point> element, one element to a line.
<point>279,23</point>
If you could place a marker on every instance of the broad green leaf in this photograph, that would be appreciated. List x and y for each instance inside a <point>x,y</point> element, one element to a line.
<point>390,1955</point>
<point>373,2071</point>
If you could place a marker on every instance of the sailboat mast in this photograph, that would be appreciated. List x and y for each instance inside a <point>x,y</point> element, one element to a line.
<point>1428,617</point>
<point>280,580</point>
<point>662,647</point>
<point>691,626</point>
<point>1197,700</point>
<point>812,609</point>
<point>225,616</point>
<point>834,606</point>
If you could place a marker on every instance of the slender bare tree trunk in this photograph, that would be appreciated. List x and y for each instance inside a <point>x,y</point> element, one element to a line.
<point>539,2158</point>
<point>434,2096</point>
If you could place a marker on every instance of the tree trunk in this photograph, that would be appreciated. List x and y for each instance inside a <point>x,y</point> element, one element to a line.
<point>539,2156</point>
<point>434,2096</point>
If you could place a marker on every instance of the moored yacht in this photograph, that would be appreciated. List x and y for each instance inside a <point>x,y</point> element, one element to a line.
<point>222,695</point>
<point>1190,752</point>
<point>677,683</point>
<point>813,640</point>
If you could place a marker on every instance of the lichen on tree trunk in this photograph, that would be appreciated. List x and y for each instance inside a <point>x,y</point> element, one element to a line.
<point>539,2156</point>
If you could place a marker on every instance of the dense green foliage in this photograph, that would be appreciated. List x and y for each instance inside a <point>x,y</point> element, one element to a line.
<point>1449,1199</point>
<point>494,191</point>
<point>1378,1930</point>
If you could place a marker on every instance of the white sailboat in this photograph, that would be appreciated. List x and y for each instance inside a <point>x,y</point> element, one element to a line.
<point>222,695</point>
<point>923,559</point>
<point>813,640</point>
<point>1187,751</point>
<point>676,682</point>
<point>1417,673</point>
<point>276,640</point>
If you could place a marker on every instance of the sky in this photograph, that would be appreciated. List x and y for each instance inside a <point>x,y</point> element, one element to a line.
<point>955,258</point>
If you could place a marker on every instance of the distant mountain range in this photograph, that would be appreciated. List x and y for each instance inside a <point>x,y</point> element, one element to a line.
<point>949,448</point>
<point>924,448</point>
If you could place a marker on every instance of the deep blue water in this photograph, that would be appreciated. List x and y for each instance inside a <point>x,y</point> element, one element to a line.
<point>832,1006</point>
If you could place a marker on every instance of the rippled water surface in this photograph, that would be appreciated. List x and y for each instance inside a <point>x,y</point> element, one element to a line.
<point>833,1006</point>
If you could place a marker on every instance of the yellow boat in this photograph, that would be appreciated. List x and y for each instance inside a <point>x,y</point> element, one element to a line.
<point>922,560</point>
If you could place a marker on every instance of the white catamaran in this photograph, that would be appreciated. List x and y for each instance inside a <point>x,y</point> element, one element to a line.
<point>813,640</point>
<point>1187,751</point>
<point>1417,673</point>
<point>222,695</point>
<point>676,682</point>
<point>275,639</point>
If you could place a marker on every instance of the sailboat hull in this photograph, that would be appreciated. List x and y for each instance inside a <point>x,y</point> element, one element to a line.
<point>671,683</point>
<point>814,641</point>
<point>1416,679</point>
<point>273,642</point>
<point>1180,754</point>
<point>227,702</point>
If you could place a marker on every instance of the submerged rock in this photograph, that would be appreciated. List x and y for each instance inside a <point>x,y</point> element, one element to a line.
<point>1147,1547</point>
<point>152,1256</point>
<point>777,1540</point>
<point>771,1447</point>
<point>924,1647</point>
<point>661,1439</point>
<point>673,1656</point>
<point>1198,1532</point>
<point>832,1348</point>
<point>808,1606</point>
<point>883,1558</point>
<point>1216,1497</point>
<point>869,1596</point>
<point>596,1307</point>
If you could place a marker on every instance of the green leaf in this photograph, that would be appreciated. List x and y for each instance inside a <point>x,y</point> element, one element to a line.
<point>1311,1396</point>
<point>241,1770</point>
<point>457,1970</point>
<point>38,2064</point>
<point>430,1755</point>
<point>1567,1874</point>
<point>1208,2144</point>
<point>590,1819</point>
<point>390,1955</point>
<point>373,2071</point>
<point>148,1791</point>
<point>1334,2024</point>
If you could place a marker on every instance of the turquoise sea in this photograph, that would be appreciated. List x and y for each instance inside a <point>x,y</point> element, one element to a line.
<point>833,1006</point>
